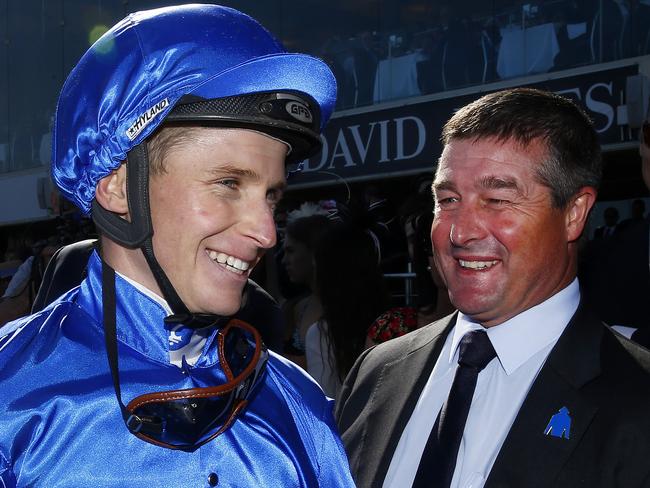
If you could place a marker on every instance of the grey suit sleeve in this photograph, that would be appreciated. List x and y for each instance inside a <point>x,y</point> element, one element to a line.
<point>346,390</point>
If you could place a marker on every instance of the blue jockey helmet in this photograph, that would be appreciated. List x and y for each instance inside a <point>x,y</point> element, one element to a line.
<point>205,65</point>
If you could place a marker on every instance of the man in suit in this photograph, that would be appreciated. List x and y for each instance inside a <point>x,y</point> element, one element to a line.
<point>607,230</point>
<point>565,401</point>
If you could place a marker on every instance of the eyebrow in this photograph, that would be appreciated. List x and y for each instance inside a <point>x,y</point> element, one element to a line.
<point>487,183</point>
<point>499,183</point>
<point>443,185</point>
<point>230,170</point>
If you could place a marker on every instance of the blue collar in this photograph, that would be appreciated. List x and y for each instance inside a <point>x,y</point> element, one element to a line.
<point>140,317</point>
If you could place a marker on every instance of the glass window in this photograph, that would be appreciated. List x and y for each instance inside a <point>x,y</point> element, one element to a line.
<point>4,89</point>
<point>379,50</point>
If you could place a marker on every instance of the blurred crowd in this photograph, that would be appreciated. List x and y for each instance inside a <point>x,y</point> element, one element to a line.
<point>457,47</point>
<point>24,254</point>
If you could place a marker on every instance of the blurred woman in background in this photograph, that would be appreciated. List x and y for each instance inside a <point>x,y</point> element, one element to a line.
<point>303,231</point>
<point>352,293</point>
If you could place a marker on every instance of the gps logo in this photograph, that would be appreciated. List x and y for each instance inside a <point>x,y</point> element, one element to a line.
<point>299,111</point>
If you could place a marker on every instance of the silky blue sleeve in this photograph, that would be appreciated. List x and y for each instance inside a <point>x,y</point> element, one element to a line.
<point>334,470</point>
<point>7,477</point>
<point>313,414</point>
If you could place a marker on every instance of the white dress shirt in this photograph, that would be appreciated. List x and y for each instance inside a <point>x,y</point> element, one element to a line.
<point>522,345</point>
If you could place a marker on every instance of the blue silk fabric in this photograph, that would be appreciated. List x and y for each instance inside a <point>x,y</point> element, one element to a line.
<point>128,81</point>
<point>61,426</point>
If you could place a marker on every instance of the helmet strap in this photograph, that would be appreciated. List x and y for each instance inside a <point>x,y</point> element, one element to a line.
<point>130,234</point>
<point>181,314</point>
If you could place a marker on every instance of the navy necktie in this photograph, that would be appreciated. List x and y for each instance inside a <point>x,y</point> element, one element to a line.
<point>438,460</point>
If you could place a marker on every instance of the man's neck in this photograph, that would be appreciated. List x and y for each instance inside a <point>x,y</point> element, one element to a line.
<point>130,264</point>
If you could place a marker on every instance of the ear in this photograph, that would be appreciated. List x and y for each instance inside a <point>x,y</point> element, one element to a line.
<point>111,192</point>
<point>578,210</point>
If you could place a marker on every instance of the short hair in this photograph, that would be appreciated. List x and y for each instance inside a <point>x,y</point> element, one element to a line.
<point>525,115</point>
<point>163,140</point>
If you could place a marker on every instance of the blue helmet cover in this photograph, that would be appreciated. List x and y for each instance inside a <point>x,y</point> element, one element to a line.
<point>127,82</point>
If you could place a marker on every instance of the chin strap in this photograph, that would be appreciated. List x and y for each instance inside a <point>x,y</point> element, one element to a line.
<point>181,314</point>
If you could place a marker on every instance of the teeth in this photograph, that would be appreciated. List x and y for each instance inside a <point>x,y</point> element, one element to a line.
<point>477,264</point>
<point>234,264</point>
<point>239,264</point>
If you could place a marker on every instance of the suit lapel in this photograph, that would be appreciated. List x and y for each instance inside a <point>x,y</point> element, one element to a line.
<point>402,380</point>
<point>528,456</point>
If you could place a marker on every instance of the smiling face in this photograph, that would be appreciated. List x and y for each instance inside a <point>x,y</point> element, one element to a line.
<point>499,244</point>
<point>212,214</point>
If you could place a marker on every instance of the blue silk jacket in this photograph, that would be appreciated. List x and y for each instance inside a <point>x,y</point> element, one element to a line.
<point>61,426</point>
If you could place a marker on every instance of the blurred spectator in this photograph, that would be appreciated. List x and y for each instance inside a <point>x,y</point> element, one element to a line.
<point>458,51</point>
<point>611,219</point>
<point>615,272</point>
<point>393,323</point>
<point>351,289</point>
<point>21,291</point>
<point>305,227</point>
<point>416,215</point>
<point>366,58</point>
<point>573,21</point>
<point>436,304</point>
<point>638,35</point>
<point>433,300</point>
<point>277,282</point>
<point>637,217</point>
<point>338,54</point>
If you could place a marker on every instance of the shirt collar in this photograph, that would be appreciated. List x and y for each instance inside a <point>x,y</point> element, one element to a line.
<point>147,292</point>
<point>518,339</point>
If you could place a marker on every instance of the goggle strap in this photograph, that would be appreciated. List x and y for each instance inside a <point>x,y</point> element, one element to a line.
<point>110,336</point>
<point>141,425</point>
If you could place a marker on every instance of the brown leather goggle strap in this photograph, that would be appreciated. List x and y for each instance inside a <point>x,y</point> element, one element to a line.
<point>211,391</point>
<point>234,413</point>
<point>222,353</point>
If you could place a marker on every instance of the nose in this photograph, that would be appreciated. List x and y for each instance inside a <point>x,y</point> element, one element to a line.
<point>466,226</point>
<point>259,225</point>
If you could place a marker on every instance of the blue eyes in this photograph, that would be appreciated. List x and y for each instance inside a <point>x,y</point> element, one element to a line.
<point>229,183</point>
<point>273,196</point>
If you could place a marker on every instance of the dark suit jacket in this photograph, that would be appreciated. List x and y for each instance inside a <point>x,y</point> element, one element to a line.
<point>602,378</point>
